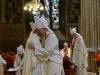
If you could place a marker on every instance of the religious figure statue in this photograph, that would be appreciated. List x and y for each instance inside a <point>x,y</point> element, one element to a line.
<point>9,12</point>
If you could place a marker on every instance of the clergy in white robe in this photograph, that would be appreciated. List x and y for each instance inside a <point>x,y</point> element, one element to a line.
<point>2,65</point>
<point>18,62</point>
<point>65,51</point>
<point>51,50</point>
<point>79,55</point>
<point>34,64</point>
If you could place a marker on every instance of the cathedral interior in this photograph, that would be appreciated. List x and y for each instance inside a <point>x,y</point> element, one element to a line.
<point>62,15</point>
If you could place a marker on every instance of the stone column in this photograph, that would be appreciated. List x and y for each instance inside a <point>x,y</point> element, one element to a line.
<point>90,21</point>
<point>84,21</point>
<point>3,10</point>
<point>91,24</point>
<point>95,24</point>
<point>98,22</point>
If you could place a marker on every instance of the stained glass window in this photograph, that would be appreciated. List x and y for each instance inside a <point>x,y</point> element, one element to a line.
<point>52,11</point>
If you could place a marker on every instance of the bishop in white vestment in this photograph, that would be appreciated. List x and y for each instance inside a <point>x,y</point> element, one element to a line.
<point>33,64</point>
<point>79,52</point>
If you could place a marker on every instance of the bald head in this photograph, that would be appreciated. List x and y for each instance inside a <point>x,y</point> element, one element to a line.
<point>65,45</point>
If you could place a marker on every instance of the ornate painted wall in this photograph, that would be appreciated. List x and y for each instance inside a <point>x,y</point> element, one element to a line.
<point>11,36</point>
<point>13,11</point>
<point>12,29</point>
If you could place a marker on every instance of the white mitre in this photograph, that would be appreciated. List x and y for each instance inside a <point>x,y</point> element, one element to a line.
<point>41,22</point>
<point>73,31</point>
<point>33,26</point>
<point>20,49</point>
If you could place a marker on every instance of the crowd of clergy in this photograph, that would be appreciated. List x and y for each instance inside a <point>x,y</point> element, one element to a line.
<point>45,58</point>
